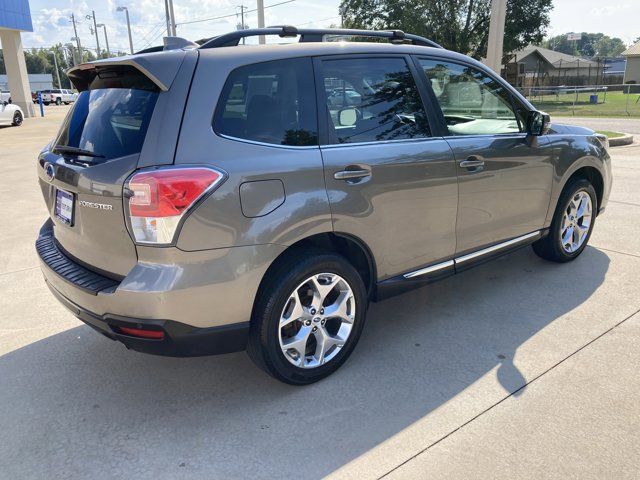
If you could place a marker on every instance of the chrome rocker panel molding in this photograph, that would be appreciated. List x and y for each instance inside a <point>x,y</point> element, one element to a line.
<point>432,273</point>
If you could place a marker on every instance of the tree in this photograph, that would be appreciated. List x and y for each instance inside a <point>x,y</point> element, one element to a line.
<point>591,45</point>
<point>460,25</point>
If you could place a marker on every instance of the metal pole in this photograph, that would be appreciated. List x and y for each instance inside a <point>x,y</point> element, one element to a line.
<point>95,29</point>
<point>55,65</point>
<point>75,31</point>
<point>626,108</point>
<point>261,39</point>
<point>166,11</point>
<point>173,18</point>
<point>126,11</point>
<point>242,27</point>
<point>106,39</point>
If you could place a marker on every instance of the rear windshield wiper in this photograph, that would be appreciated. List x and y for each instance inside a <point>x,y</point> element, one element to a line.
<point>75,151</point>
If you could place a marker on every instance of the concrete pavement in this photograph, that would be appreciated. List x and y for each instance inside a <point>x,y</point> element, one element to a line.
<point>518,368</point>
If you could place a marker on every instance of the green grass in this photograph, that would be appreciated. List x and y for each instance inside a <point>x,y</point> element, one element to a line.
<point>615,105</point>
<point>610,134</point>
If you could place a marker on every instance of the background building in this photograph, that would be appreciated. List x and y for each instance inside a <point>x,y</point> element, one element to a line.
<point>37,81</point>
<point>15,17</point>
<point>632,72</point>
<point>537,66</point>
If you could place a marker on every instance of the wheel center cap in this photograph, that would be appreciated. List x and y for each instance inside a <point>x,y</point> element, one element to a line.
<point>316,320</point>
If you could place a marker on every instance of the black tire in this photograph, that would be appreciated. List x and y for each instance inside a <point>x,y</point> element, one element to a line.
<point>550,248</point>
<point>46,103</point>
<point>17,119</point>
<point>58,101</point>
<point>264,346</point>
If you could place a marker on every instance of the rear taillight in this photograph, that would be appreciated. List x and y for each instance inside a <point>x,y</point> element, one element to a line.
<point>160,198</point>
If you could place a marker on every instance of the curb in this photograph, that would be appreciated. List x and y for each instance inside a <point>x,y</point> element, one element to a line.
<point>627,139</point>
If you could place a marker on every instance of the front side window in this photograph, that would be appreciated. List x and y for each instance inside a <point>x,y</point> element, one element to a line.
<point>472,102</point>
<point>271,102</point>
<point>372,100</point>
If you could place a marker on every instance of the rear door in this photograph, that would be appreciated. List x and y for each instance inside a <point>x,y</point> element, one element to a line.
<point>391,179</point>
<point>504,175</point>
<point>120,123</point>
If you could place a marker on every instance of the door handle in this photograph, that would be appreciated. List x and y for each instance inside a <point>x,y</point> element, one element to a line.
<point>348,174</point>
<point>472,162</point>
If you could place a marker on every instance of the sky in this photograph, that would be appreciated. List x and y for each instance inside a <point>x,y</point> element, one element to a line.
<point>51,19</point>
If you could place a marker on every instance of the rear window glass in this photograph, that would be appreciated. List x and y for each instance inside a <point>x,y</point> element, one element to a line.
<point>270,102</point>
<point>111,122</point>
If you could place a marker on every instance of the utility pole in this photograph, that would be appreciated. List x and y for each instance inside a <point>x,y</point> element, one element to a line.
<point>496,35</point>
<point>126,11</point>
<point>261,39</point>
<point>95,30</point>
<point>241,26</point>
<point>173,19</point>
<point>76,38</point>
<point>55,65</point>
<point>106,39</point>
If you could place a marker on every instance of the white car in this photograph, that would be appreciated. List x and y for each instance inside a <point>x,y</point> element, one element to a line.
<point>58,96</point>
<point>10,114</point>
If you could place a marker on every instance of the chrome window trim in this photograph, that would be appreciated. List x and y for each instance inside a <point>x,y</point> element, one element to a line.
<point>485,135</point>
<point>382,142</point>
<point>265,144</point>
<point>494,248</point>
<point>431,269</point>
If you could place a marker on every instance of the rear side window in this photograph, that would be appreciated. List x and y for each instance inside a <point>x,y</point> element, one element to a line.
<point>270,102</point>
<point>372,100</point>
<point>108,121</point>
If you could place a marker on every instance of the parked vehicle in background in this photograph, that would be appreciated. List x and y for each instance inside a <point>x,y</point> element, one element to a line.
<point>5,96</point>
<point>213,199</point>
<point>58,96</point>
<point>10,114</point>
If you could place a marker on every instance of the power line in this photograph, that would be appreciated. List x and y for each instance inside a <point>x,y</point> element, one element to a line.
<point>232,14</point>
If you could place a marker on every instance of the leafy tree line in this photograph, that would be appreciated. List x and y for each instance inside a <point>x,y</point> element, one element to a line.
<point>460,25</point>
<point>40,60</point>
<point>591,45</point>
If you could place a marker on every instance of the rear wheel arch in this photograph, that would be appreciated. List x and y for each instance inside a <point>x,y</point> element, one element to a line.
<point>352,248</point>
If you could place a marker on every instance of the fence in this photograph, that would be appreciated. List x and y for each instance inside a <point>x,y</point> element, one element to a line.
<point>588,100</point>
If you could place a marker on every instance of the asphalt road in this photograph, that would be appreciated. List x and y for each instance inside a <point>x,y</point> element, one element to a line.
<point>516,369</point>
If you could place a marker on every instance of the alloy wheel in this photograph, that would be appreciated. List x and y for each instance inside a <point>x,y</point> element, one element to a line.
<point>316,320</point>
<point>576,221</point>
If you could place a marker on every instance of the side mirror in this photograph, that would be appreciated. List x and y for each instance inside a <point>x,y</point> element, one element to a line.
<point>538,123</point>
<point>347,117</point>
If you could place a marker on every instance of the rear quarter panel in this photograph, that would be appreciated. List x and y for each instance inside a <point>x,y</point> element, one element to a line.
<point>219,221</point>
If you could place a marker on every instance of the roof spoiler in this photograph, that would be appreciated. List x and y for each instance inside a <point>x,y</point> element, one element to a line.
<point>160,68</point>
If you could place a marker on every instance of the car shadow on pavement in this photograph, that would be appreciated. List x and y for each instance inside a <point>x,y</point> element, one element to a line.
<point>76,405</point>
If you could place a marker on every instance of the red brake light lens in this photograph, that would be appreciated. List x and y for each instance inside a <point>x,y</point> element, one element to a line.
<point>165,193</point>
<point>161,197</point>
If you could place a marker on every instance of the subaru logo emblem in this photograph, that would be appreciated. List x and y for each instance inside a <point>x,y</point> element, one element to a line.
<point>49,171</point>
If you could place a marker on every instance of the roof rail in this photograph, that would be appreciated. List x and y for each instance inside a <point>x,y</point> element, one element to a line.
<point>232,39</point>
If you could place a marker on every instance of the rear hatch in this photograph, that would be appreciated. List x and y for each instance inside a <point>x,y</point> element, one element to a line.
<point>101,142</point>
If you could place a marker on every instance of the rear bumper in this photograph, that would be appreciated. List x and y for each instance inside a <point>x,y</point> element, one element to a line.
<point>202,301</point>
<point>180,340</point>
